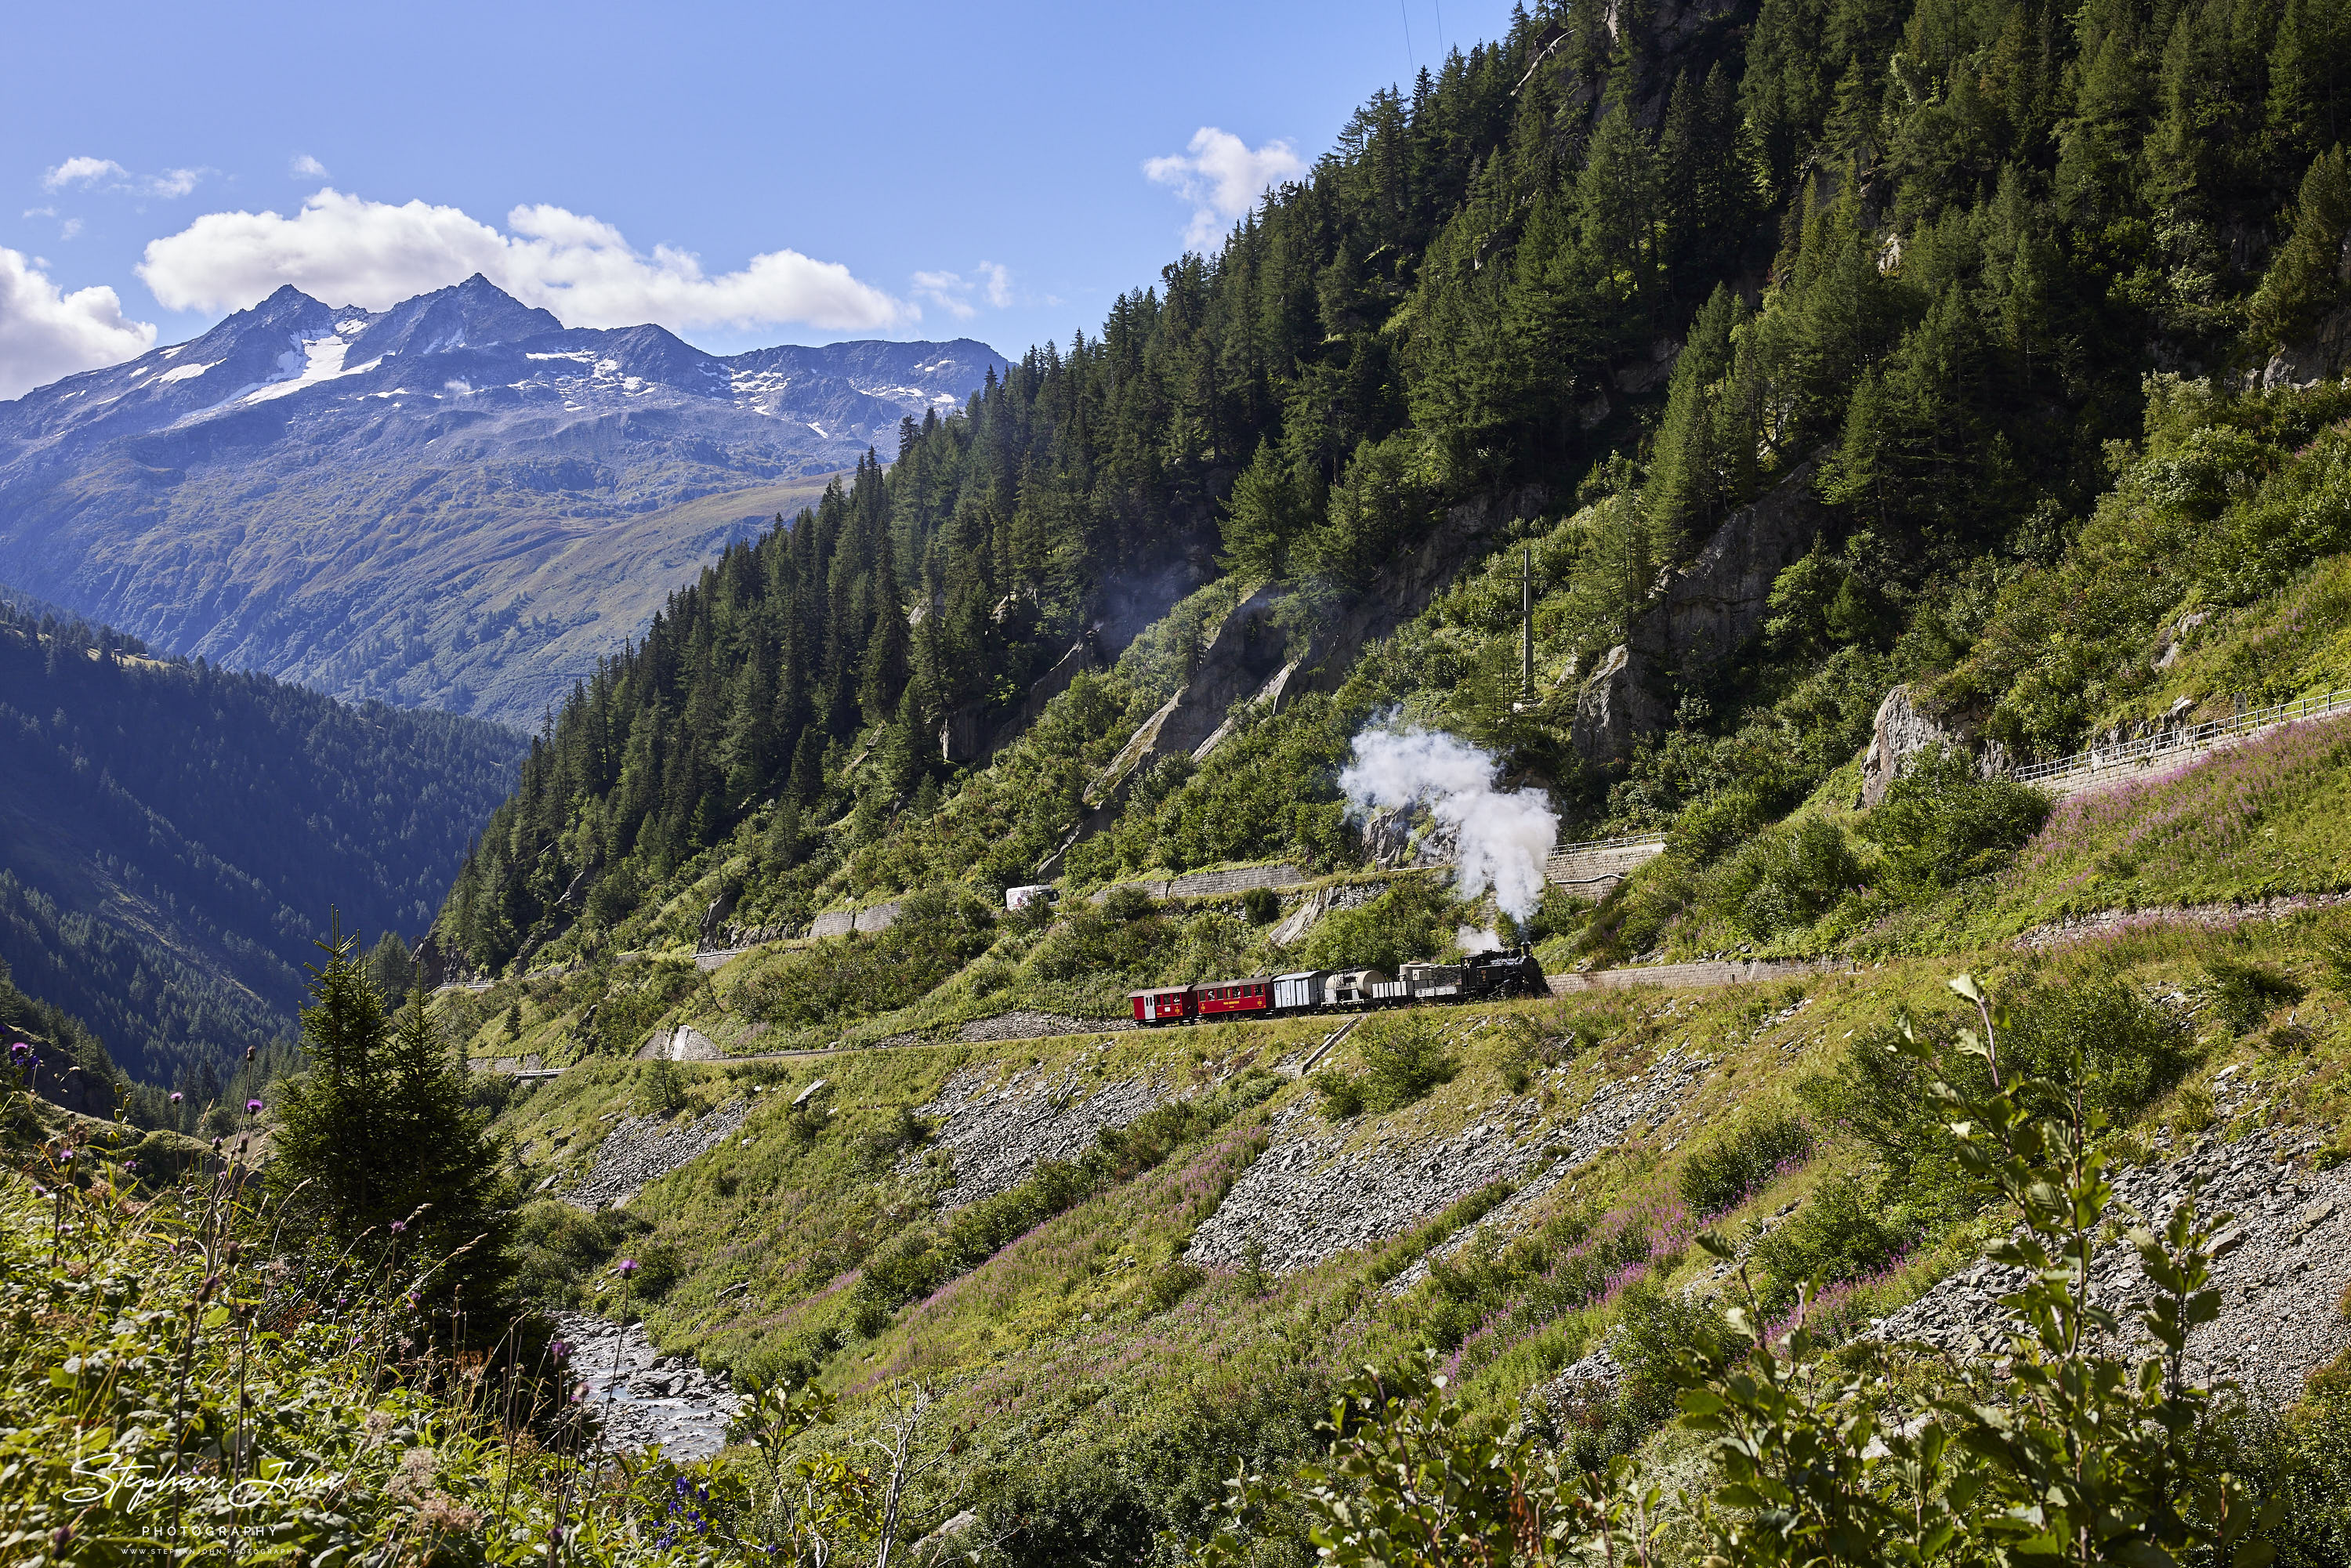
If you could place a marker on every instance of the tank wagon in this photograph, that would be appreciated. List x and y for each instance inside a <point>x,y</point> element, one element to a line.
<point>1484,976</point>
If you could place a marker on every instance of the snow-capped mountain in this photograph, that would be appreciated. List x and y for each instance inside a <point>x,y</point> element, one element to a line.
<point>458,501</point>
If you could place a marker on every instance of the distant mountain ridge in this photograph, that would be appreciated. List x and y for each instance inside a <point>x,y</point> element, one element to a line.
<point>457,502</point>
<point>174,835</point>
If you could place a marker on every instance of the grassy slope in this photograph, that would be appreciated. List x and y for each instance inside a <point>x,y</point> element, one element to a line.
<point>1089,1374</point>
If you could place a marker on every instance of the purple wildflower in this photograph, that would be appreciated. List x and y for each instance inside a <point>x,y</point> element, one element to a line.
<point>176,1096</point>
<point>398,1226</point>
<point>560,1348</point>
<point>252,1107</point>
<point>22,1048</point>
<point>626,1267</point>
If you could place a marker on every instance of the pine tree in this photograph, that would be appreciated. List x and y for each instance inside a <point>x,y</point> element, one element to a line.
<point>378,1134</point>
<point>2308,277</point>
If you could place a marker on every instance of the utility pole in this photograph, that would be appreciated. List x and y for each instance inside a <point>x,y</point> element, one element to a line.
<point>1526,632</point>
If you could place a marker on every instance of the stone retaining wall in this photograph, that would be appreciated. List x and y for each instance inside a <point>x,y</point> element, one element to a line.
<point>1681,976</point>
<point>865,922</point>
<point>1590,873</point>
<point>1203,884</point>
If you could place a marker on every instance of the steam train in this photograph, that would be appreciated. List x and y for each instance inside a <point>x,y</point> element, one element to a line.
<point>1482,977</point>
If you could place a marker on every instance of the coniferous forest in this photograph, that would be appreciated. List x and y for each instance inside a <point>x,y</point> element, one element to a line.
<point>168,824</point>
<point>1916,261</point>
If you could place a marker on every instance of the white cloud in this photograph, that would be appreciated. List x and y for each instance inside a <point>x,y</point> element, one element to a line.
<point>305,167</point>
<point>106,175</point>
<point>953,293</point>
<point>69,228</point>
<point>83,171</point>
<point>1222,178</point>
<point>46,334</point>
<point>999,284</point>
<point>346,250</point>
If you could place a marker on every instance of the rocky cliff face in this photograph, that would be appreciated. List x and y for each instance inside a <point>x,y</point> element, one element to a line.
<point>1710,610</point>
<point>455,503</point>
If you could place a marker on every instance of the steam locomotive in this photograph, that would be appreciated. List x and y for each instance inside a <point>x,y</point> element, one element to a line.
<point>1481,978</point>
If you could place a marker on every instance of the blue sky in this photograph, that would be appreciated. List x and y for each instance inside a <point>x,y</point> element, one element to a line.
<point>750,175</point>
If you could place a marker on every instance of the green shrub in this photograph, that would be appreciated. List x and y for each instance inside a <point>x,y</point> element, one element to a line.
<point>1342,1095</point>
<point>1170,1284</point>
<point>1845,1230</point>
<point>1124,938</point>
<point>1413,919</point>
<point>1784,878</point>
<point>2242,993</point>
<point>937,932</point>
<point>1720,1176</point>
<point>2101,1040</point>
<point>1940,824</point>
<point>1403,1057</point>
<point>558,1248</point>
<point>1261,906</point>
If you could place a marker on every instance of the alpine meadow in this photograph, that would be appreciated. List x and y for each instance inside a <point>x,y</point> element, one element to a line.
<point>1620,840</point>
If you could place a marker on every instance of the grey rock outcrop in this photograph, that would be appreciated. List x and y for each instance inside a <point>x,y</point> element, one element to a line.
<point>1709,610</point>
<point>2322,356</point>
<point>1617,707</point>
<point>1897,736</point>
<point>684,1044</point>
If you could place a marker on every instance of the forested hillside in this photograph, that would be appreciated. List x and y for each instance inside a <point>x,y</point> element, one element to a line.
<point>1898,274</point>
<point>1870,398</point>
<point>174,836</point>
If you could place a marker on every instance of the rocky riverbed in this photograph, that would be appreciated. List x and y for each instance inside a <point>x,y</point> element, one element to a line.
<point>644,1398</point>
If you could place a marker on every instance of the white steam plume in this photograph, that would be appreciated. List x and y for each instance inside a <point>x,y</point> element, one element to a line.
<point>1503,839</point>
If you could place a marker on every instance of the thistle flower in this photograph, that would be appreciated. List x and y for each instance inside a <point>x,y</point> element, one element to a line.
<point>398,1226</point>
<point>560,1348</point>
<point>176,1096</point>
<point>625,1267</point>
<point>252,1107</point>
<point>130,1164</point>
<point>22,1048</point>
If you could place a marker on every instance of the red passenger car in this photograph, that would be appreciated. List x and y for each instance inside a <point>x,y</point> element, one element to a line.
<point>1230,998</point>
<point>1168,1004</point>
